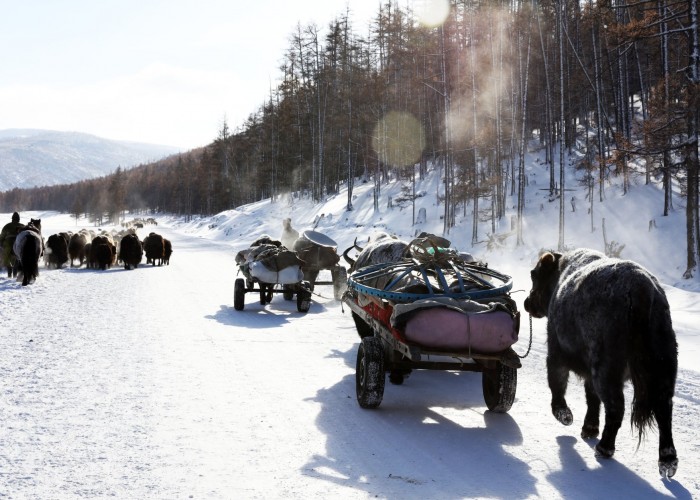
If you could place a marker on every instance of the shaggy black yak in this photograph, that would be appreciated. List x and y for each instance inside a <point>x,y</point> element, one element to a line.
<point>167,251</point>
<point>76,248</point>
<point>101,253</point>
<point>154,245</point>
<point>130,251</point>
<point>28,248</point>
<point>608,320</point>
<point>57,250</point>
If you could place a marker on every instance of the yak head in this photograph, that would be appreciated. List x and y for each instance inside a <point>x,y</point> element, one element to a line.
<point>544,277</point>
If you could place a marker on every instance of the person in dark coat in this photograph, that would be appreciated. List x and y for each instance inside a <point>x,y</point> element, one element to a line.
<point>7,239</point>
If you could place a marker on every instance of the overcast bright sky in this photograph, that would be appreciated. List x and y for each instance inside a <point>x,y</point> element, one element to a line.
<point>158,71</point>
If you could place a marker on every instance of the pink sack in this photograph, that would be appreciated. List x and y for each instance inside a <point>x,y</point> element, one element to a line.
<point>448,329</point>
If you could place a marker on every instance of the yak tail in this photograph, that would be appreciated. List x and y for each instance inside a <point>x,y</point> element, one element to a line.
<point>30,254</point>
<point>653,356</point>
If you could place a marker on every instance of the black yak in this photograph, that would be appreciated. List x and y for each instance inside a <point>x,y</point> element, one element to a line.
<point>101,253</point>
<point>76,248</point>
<point>167,251</point>
<point>57,250</point>
<point>154,246</point>
<point>28,248</point>
<point>130,251</point>
<point>608,320</point>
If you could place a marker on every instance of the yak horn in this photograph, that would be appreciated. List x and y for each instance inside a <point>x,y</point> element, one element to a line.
<point>347,257</point>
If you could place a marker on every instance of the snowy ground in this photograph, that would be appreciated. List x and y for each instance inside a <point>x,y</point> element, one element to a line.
<point>148,384</point>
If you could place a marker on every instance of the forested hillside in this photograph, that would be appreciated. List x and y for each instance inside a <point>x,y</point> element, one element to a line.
<point>616,84</point>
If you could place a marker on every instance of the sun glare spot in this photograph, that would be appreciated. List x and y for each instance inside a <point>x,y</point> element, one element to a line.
<point>398,139</point>
<point>432,13</point>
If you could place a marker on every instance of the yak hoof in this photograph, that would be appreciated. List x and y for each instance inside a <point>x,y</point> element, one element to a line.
<point>604,452</point>
<point>589,431</point>
<point>564,415</point>
<point>668,467</point>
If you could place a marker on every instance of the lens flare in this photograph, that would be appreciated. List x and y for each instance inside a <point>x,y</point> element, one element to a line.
<point>432,13</point>
<point>398,139</point>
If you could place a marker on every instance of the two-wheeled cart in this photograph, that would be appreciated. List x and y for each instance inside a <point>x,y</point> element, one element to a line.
<point>434,312</point>
<point>268,270</point>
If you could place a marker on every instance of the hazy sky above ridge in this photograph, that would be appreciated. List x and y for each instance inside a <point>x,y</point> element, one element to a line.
<point>163,72</point>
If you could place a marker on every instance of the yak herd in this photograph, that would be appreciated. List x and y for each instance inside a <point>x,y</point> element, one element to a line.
<point>608,319</point>
<point>96,249</point>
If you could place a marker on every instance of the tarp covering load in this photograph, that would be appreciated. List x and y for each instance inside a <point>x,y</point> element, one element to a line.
<point>453,324</point>
<point>317,250</point>
<point>440,299</point>
<point>269,262</point>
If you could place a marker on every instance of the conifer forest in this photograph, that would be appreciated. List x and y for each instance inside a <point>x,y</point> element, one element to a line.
<point>613,84</point>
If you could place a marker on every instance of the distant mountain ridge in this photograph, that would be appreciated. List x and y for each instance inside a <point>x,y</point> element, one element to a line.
<point>30,157</point>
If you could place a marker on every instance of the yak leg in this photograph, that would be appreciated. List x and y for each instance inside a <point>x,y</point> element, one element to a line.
<point>592,421</point>
<point>558,378</point>
<point>608,384</point>
<point>668,460</point>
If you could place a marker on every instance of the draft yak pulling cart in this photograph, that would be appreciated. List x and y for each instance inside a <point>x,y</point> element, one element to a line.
<point>319,252</point>
<point>435,310</point>
<point>269,268</point>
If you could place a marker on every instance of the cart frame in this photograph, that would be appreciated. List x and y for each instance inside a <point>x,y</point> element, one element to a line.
<point>383,349</point>
<point>242,286</point>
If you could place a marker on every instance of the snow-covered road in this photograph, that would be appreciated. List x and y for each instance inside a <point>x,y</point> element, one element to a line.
<point>148,384</point>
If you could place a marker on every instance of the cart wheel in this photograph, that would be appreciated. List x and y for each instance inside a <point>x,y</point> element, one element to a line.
<point>287,292</point>
<point>303,300</point>
<point>239,295</point>
<point>498,385</point>
<point>369,373</point>
<point>340,282</point>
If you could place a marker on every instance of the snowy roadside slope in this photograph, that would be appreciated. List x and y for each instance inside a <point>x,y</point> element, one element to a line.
<point>147,384</point>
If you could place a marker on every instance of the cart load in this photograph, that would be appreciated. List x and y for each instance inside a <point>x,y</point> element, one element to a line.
<point>452,324</point>
<point>269,262</point>
<point>319,252</point>
<point>265,265</point>
<point>434,308</point>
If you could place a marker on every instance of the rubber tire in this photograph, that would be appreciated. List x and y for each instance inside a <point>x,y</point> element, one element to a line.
<point>340,282</point>
<point>499,385</point>
<point>288,292</point>
<point>370,375</point>
<point>303,300</point>
<point>239,295</point>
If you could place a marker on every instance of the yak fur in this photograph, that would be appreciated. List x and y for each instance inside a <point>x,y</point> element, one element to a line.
<point>130,251</point>
<point>57,250</point>
<point>154,246</point>
<point>76,248</point>
<point>608,320</point>
<point>28,248</point>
